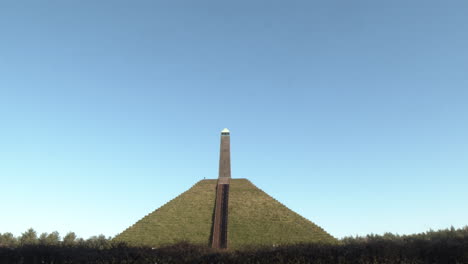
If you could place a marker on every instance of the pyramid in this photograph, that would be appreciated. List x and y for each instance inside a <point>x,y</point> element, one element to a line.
<point>255,219</point>
<point>224,213</point>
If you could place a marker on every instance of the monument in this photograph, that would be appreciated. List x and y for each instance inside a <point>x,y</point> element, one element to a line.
<point>224,213</point>
<point>220,222</point>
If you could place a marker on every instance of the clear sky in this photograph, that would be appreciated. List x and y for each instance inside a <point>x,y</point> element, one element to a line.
<point>352,113</point>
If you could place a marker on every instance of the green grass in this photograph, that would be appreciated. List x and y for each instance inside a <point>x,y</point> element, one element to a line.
<point>187,218</point>
<point>255,219</point>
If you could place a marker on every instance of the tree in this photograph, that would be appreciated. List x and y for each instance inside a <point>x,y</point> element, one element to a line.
<point>43,239</point>
<point>8,240</point>
<point>69,239</point>
<point>80,242</point>
<point>29,237</point>
<point>98,242</point>
<point>52,239</point>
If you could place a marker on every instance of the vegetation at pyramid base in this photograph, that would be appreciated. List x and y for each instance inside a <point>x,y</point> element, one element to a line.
<point>444,246</point>
<point>255,219</point>
<point>31,238</point>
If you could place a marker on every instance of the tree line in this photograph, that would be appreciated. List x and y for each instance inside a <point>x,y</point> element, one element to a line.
<point>448,246</point>
<point>31,238</point>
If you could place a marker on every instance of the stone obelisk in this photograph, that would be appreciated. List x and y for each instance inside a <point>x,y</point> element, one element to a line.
<point>225,157</point>
<point>220,223</point>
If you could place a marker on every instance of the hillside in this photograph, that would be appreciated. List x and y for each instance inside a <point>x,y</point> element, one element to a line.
<point>187,217</point>
<point>255,219</point>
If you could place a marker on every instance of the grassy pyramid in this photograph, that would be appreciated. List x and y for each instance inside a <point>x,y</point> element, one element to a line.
<point>255,219</point>
<point>187,217</point>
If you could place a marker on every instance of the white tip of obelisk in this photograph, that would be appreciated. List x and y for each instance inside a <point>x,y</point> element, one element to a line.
<point>225,130</point>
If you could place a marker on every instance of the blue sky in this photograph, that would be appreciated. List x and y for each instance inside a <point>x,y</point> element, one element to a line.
<point>352,113</point>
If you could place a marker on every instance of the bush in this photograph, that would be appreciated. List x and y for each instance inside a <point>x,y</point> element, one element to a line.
<point>448,246</point>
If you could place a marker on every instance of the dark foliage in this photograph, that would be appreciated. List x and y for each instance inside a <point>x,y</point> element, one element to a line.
<point>441,247</point>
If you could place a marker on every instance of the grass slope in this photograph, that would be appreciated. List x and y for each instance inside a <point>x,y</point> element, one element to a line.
<point>187,217</point>
<point>255,219</point>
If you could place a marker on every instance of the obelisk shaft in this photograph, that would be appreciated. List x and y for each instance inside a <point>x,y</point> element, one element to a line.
<point>225,155</point>
<point>220,220</point>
